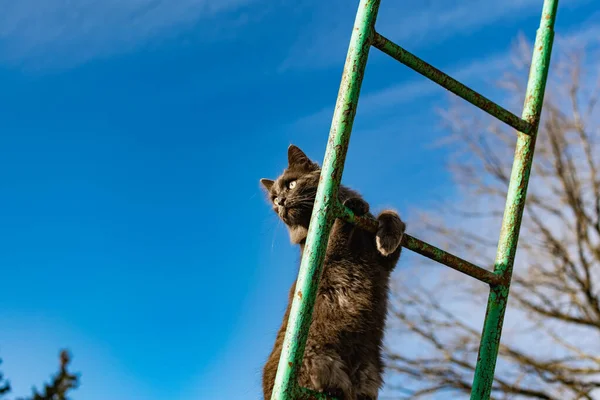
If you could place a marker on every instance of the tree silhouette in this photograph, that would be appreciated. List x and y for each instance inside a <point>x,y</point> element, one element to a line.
<point>61,384</point>
<point>4,385</point>
<point>550,348</point>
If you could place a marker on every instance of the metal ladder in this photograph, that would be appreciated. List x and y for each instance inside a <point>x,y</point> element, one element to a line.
<point>327,207</point>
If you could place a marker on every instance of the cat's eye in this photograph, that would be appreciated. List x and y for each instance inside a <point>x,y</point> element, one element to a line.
<point>292,184</point>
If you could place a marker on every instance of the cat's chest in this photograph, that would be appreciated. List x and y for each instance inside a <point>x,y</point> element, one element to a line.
<point>346,289</point>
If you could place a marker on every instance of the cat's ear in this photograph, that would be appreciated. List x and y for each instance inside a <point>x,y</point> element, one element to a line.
<point>297,158</point>
<point>267,183</point>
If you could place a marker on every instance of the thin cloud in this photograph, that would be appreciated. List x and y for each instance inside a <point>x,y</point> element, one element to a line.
<point>419,23</point>
<point>408,91</point>
<point>420,88</point>
<point>71,32</point>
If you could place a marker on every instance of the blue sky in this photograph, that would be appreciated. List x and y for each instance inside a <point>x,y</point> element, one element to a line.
<point>133,134</point>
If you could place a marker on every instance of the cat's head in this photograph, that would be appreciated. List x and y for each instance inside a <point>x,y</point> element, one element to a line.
<point>292,194</point>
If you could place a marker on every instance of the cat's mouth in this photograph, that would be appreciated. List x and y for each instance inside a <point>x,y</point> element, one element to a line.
<point>290,215</point>
<point>282,212</point>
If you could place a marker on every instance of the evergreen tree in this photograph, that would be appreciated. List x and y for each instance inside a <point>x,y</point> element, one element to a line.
<point>62,383</point>
<point>4,385</point>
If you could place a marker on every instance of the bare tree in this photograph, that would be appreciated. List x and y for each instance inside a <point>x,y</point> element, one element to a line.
<point>551,342</point>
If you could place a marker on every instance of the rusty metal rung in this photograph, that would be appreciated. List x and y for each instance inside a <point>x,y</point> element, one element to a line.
<point>425,249</point>
<point>312,395</point>
<point>327,207</point>
<point>446,81</point>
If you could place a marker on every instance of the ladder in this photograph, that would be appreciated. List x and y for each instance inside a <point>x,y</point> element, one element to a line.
<point>327,206</point>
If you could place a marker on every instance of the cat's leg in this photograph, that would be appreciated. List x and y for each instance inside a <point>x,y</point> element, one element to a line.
<point>270,368</point>
<point>368,381</point>
<point>390,232</point>
<point>324,371</point>
<point>391,227</point>
<point>342,233</point>
<point>269,372</point>
<point>357,205</point>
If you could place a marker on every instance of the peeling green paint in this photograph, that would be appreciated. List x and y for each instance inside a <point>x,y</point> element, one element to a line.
<point>425,249</point>
<point>515,204</point>
<point>327,206</point>
<point>446,81</point>
<point>286,387</point>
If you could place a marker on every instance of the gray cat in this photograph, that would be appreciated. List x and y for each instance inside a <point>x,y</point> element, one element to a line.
<point>343,351</point>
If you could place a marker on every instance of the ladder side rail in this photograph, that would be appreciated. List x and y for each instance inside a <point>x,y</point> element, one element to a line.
<point>286,386</point>
<point>515,205</point>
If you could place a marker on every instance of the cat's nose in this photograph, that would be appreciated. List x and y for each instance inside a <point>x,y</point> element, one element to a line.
<point>280,201</point>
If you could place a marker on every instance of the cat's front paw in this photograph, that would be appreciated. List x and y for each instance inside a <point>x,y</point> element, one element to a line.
<point>390,232</point>
<point>357,205</point>
<point>368,381</point>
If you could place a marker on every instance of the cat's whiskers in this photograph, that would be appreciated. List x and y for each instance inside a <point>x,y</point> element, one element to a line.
<point>274,234</point>
<point>303,198</point>
<point>300,200</point>
<point>299,205</point>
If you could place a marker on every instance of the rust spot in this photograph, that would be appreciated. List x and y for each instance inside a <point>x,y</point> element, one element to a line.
<point>540,48</point>
<point>290,364</point>
<point>300,294</point>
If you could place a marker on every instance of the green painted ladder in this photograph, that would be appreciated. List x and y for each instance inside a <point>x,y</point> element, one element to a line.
<point>327,207</point>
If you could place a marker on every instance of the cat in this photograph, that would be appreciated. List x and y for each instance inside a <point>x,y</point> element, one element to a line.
<point>343,351</point>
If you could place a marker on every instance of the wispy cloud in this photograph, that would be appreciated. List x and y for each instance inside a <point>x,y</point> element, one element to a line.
<point>71,32</point>
<point>392,97</point>
<point>419,88</point>
<point>417,23</point>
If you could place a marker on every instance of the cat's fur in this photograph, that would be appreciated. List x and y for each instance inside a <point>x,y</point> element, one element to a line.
<point>343,351</point>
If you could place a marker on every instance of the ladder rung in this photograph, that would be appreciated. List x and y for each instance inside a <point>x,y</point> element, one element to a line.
<point>442,79</point>
<point>300,393</point>
<point>327,207</point>
<point>307,394</point>
<point>425,249</point>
